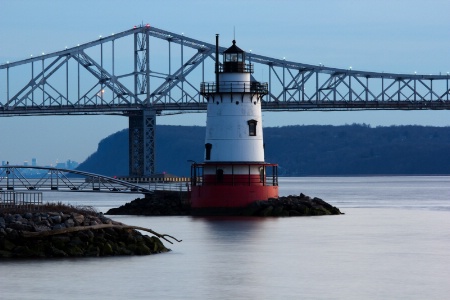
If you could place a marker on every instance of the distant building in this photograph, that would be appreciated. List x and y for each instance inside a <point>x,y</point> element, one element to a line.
<point>70,164</point>
<point>25,163</point>
<point>33,162</point>
<point>60,165</point>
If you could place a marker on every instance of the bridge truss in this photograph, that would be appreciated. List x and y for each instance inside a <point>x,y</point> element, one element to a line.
<point>34,178</point>
<point>145,71</point>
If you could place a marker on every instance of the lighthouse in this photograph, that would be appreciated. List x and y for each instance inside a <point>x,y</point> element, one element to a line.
<point>234,173</point>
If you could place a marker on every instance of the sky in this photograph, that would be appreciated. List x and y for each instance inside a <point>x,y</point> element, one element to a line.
<point>398,36</point>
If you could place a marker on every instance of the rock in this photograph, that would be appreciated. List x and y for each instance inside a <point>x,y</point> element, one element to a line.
<point>16,241</point>
<point>142,249</point>
<point>164,203</point>
<point>23,252</point>
<point>158,245</point>
<point>278,211</point>
<point>12,233</point>
<point>20,226</point>
<point>64,217</point>
<point>55,252</point>
<point>302,209</point>
<point>56,219</point>
<point>36,218</point>
<point>60,241</point>
<point>267,211</point>
<point>92,250</point>
<point>69,223</point>
<point>106,249</point>
<point>5,254</point>
<point>294,213</point>
<point>59,226</point>
<point>7,245</point>
<point>39,228</point>
<point>74,251</point>
<point>78,218</point>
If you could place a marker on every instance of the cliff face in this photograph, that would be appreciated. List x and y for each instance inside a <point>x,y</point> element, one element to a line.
<point>299,150</point>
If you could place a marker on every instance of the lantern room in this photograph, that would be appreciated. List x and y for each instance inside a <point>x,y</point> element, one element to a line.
<point>234,59</point>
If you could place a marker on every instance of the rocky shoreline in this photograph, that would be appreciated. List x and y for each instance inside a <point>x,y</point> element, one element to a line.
<point>51,234</point>
<point>167,203</point>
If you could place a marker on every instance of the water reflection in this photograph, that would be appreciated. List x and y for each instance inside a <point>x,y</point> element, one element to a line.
<point>232,227</point>
<point>234,255</point>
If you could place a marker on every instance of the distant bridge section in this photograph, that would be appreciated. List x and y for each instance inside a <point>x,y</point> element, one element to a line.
<point>33,178</point>
<point>144,72</point>
<point>146,68</point>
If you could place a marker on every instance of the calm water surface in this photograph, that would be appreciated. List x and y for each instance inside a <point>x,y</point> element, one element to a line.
<point>392,243</point>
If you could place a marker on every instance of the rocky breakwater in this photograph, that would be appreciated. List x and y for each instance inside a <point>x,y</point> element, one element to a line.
<point>72,234</point>
<point>159,203</point>
<point>291,206</point>
<point>175,203</point>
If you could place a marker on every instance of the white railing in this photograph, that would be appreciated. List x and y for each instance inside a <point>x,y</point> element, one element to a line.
<point>13,198</point>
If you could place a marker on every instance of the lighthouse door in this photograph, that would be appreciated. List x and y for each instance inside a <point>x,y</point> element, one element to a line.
<point>219,175</point>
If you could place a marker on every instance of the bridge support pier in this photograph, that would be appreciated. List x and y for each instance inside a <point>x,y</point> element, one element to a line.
<point>142,143</point>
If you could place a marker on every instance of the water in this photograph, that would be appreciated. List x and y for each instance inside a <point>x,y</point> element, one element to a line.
<point>392,243</point>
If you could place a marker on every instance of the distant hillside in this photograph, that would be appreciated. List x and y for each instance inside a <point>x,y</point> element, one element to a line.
<point>175,145</point>
<point>299,150</point>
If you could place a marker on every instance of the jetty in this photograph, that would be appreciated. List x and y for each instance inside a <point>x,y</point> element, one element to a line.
<point>57,230</point>
<point>177,203</point>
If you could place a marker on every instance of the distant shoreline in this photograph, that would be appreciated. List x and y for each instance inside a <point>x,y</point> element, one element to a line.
<point>299,151</point>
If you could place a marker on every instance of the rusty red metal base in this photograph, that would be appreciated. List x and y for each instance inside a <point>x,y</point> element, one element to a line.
<point>228,196</point>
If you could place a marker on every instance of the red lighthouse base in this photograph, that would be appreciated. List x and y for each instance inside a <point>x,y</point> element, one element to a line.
<point>228,194</point>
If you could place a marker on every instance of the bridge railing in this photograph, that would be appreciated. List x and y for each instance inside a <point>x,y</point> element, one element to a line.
<point>14,199</point>
<point>14,178</point>
<point>169,186</point>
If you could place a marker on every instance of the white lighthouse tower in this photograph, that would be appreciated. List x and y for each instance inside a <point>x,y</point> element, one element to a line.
<point>234,173</point>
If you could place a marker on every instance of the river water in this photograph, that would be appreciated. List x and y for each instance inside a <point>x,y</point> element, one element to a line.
<point>392,243</point>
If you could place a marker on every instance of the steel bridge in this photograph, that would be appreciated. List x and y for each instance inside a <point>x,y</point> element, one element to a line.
<point>144,72</point>
<point>34,178</point>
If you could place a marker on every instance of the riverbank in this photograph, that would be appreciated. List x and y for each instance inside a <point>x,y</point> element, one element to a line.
<point>65,231</point>
<point>176,203</point>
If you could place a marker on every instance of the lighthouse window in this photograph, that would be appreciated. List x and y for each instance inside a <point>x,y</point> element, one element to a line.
<point>252,127</point>
<point>208,148</point>
<point>233,57</point>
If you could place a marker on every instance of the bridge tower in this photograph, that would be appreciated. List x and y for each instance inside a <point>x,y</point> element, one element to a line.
<point>142,122</point>
<point>233,173</point>
<point>141,136</point>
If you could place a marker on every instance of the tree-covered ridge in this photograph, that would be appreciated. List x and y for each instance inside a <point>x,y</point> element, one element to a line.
<point>299,150</point>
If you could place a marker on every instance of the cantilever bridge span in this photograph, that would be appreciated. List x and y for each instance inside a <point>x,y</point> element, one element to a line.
<point>144,72</point>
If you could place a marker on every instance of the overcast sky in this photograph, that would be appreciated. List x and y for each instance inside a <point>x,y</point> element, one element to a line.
<point>399,36</point>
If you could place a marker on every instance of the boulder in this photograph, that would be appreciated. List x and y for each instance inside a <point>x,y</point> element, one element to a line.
<point>78,218</point>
